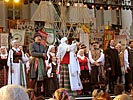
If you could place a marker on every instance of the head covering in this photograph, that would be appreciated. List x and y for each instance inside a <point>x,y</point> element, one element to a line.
<point>50,47</point>
<point>13,42</point>
<point>64,39</point>
<point>78,54</point>
<point>5,54</point>
<point>13,92</point>
<point>37,34</point>
<point>94,42</point>
<point>82,46</point>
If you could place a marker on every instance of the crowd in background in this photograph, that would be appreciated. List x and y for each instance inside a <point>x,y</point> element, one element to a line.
<point>69,68</point>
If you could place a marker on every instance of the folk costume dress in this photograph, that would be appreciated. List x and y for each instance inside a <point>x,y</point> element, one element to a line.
<point>85,70</point>
<point>70,70</point>
<point>52,81</point>
<point>15,62</point>
<point>3,67</point>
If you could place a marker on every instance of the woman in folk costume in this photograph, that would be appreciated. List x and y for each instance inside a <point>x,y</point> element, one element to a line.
<point>70,70</point>
<point>85,70</point>
<point>16,73</point>
<point>3,66</point>
<point>51,64</point>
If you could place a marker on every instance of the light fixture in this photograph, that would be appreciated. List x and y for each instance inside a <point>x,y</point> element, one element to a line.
<point>6,0</point>
<point>93,6</point>
<point>109,7</point>
<point>75,5</point>
<point>117,8</point>
<point>68,4</point>
<point>16,1</point>
<point>59,3</point>
<point>50,3</point>
<point>101,7</point>
<point>85,5</point>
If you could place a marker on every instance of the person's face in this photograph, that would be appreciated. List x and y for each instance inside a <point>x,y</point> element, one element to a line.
<point>118,48</point>
<point>38,39</point>
<point>52,50</point>
<point>81,52</point>
<point>20,47</point>
<point>131,45</point>
<point>95,45</point>
<point>16,44</point>
<point>3,51</point>
<point>112,43</point>
<point>66,41</point>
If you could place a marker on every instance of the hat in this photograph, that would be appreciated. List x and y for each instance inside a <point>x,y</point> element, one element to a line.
<point>82,46</point>
<point>37,34</point>
<point>94,42</point>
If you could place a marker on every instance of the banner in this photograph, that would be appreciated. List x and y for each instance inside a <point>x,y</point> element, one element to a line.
<point>51,38</point>
<point>4,39</point>
<point>19,35</point>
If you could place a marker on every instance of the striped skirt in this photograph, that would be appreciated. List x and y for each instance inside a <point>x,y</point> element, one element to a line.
<point>65,81</point>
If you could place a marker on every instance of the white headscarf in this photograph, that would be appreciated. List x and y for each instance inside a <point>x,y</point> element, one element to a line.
<point>50,47</point>
<point>63,40</point>
<point>62,48</point>
<point>78,54</point>
<point>13,42</point>
<point>13,92</point>
<point>4,55</point>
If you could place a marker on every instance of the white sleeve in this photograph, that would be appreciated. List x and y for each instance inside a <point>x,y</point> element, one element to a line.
<point>126,63</point>
<point>72,47</point>
<point>24,59</point>
<point>101,58</point>
<point>89,65</point>
<point>10,58</point>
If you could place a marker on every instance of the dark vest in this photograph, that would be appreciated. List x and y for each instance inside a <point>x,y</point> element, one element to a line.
<point>130,57</point>
<point>17,56</point>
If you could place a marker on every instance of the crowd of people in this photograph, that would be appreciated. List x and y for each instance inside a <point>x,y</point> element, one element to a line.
<point>68,66</point>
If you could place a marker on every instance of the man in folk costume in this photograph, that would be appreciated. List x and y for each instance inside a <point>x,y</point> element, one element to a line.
<point>96,58</point>
<point>37,71</point>
<point>3,65</point>
<point>15,62</point>
<point>70,70</point>
<point>112,65</point>
<point>128,61</point>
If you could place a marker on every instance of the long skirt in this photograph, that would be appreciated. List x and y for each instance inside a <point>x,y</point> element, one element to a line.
<point>3,77</point>
<point>65,80</point>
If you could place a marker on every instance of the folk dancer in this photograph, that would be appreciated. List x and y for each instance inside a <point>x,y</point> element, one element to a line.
<point>51,65</point>
<point>85,70</point>
<point>15,62</point>
<point>70,70</point>
<point>3,65</point>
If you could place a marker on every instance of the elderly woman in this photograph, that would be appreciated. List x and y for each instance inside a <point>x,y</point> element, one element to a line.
<point>85,69</point>
<point>3,66</point>
<point>15,61</point>
<point>70,70</point>
<point>13,92</point>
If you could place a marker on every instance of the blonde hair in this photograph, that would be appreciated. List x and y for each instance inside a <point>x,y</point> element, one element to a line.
<point>61,94</point>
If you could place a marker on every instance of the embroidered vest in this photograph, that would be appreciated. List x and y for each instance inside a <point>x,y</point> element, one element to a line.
<point>96,54</point>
